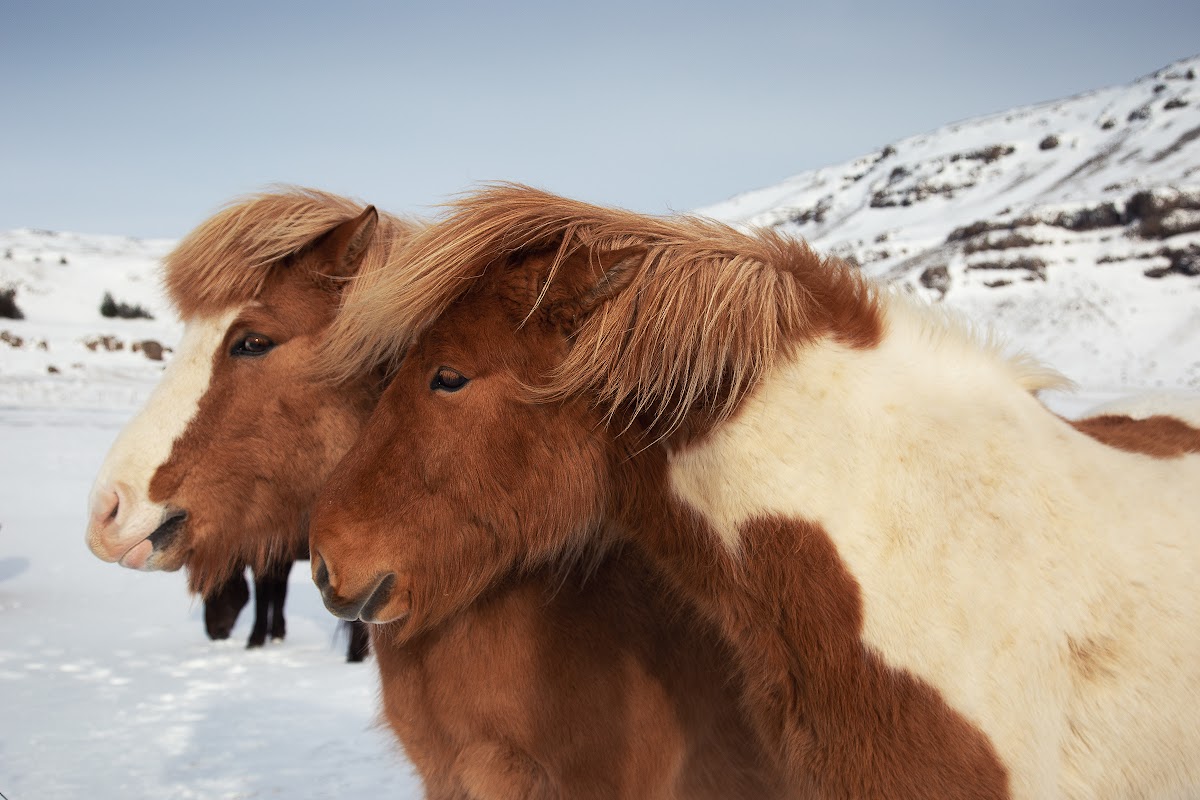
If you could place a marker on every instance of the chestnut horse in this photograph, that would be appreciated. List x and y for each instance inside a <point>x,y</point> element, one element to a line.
<point>225,603</point>
<point>584,682</point>
<point>934,586</point>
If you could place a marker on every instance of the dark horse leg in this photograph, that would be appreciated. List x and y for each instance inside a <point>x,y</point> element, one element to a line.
<point>221,608</point>
<point>270,593</point>
<point>360,641</point>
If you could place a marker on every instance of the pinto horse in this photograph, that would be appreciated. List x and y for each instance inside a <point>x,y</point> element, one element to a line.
<point>584,682</point>
<point>219,469</point>
<point>933,586</point>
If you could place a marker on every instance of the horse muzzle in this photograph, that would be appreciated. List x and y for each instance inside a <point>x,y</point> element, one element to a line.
<point>369,605</point>
<point>132,533</point>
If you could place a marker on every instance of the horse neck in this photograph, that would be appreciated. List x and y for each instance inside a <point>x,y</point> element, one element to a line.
<point>832,431</point>
<point>781,521</point>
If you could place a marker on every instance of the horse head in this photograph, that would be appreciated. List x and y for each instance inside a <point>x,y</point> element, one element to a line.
<point>222,463</point>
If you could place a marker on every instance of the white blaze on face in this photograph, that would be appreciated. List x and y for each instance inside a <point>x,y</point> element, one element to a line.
<point>121,515</point>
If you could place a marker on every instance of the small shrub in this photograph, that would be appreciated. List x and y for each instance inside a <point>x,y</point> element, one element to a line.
<point>111,308</point>
<point>8,304</point>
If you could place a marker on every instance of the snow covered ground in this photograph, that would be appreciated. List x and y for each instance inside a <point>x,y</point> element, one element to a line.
<point>109,687</point>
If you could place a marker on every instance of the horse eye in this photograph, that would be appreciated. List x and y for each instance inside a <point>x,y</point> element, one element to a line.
<point>255,344</point>
<point>448,380</point>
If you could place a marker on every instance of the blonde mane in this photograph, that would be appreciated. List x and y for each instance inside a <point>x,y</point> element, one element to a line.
<point>691,312</point>
<point>224,261</point>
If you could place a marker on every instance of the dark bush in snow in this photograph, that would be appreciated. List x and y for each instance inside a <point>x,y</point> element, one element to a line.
<point>8,304</point>
<point>111,308</point>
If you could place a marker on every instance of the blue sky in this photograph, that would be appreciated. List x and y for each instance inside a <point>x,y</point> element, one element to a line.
<point>143,118</point>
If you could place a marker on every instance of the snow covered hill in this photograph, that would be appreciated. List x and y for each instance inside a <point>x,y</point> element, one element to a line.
<point>1071,226</point>
<point>64,351</point>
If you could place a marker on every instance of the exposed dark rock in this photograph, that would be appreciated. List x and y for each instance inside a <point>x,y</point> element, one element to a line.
<point>109,343</point>
<point>981,243</point>
<point>53,370</point>
<point>1088,218</point>
<point>1184,138</point>
<point>152,348</point>
<point>1139,113</point>
<point>1036,267</point>
<point>1159,88</point>
<point>1049,143</point>
<point>987,155</point>
<point>11,339</point>
<point>816,213</point>
<point>937,278</point>
<point>996,284</point>
<point>1181,261</point>
<point>914,194</point>
<point>1108,123</point>
<point>1174,102</point>
<point>1160,215</point>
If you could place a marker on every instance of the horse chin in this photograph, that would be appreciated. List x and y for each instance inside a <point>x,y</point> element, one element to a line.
<point>144,557</point>
<point>396,612</point>
<point>161,551</point>
<point>138,556</point>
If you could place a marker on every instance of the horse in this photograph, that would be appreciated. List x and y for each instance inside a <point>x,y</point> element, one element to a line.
<point>592,681</point>
<point>225,603</point>
<point>933,586</point>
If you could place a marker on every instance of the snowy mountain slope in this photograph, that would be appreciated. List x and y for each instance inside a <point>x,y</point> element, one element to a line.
<point>1073,226</point>
<point>64,352</point>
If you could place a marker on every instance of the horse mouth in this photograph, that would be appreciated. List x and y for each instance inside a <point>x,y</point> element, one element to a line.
<point>167,532</point>
<point>141,556</point>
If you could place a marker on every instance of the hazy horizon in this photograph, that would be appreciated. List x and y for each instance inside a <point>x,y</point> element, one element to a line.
<point>143,118</point>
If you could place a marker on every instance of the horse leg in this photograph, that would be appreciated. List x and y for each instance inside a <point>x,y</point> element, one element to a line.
<point>279,588</point>
<point>221,608</point>
<point>360,642</point>
<point>258,636</point>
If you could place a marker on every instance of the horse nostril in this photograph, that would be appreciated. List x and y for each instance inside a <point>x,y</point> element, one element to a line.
<point>106,503</point>
<point>378,597</point>
<point>321,573</point>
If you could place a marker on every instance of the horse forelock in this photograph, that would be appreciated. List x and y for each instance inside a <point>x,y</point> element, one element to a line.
<point>692,312</point>
<point>225,261</point>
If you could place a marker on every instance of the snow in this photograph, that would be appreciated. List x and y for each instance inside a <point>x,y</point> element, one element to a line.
<point>108,685</point>
<point>1078,298</point>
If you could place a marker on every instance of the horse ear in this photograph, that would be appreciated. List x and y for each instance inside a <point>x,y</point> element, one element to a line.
<point>601,275</point>
<point>342,248</point>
